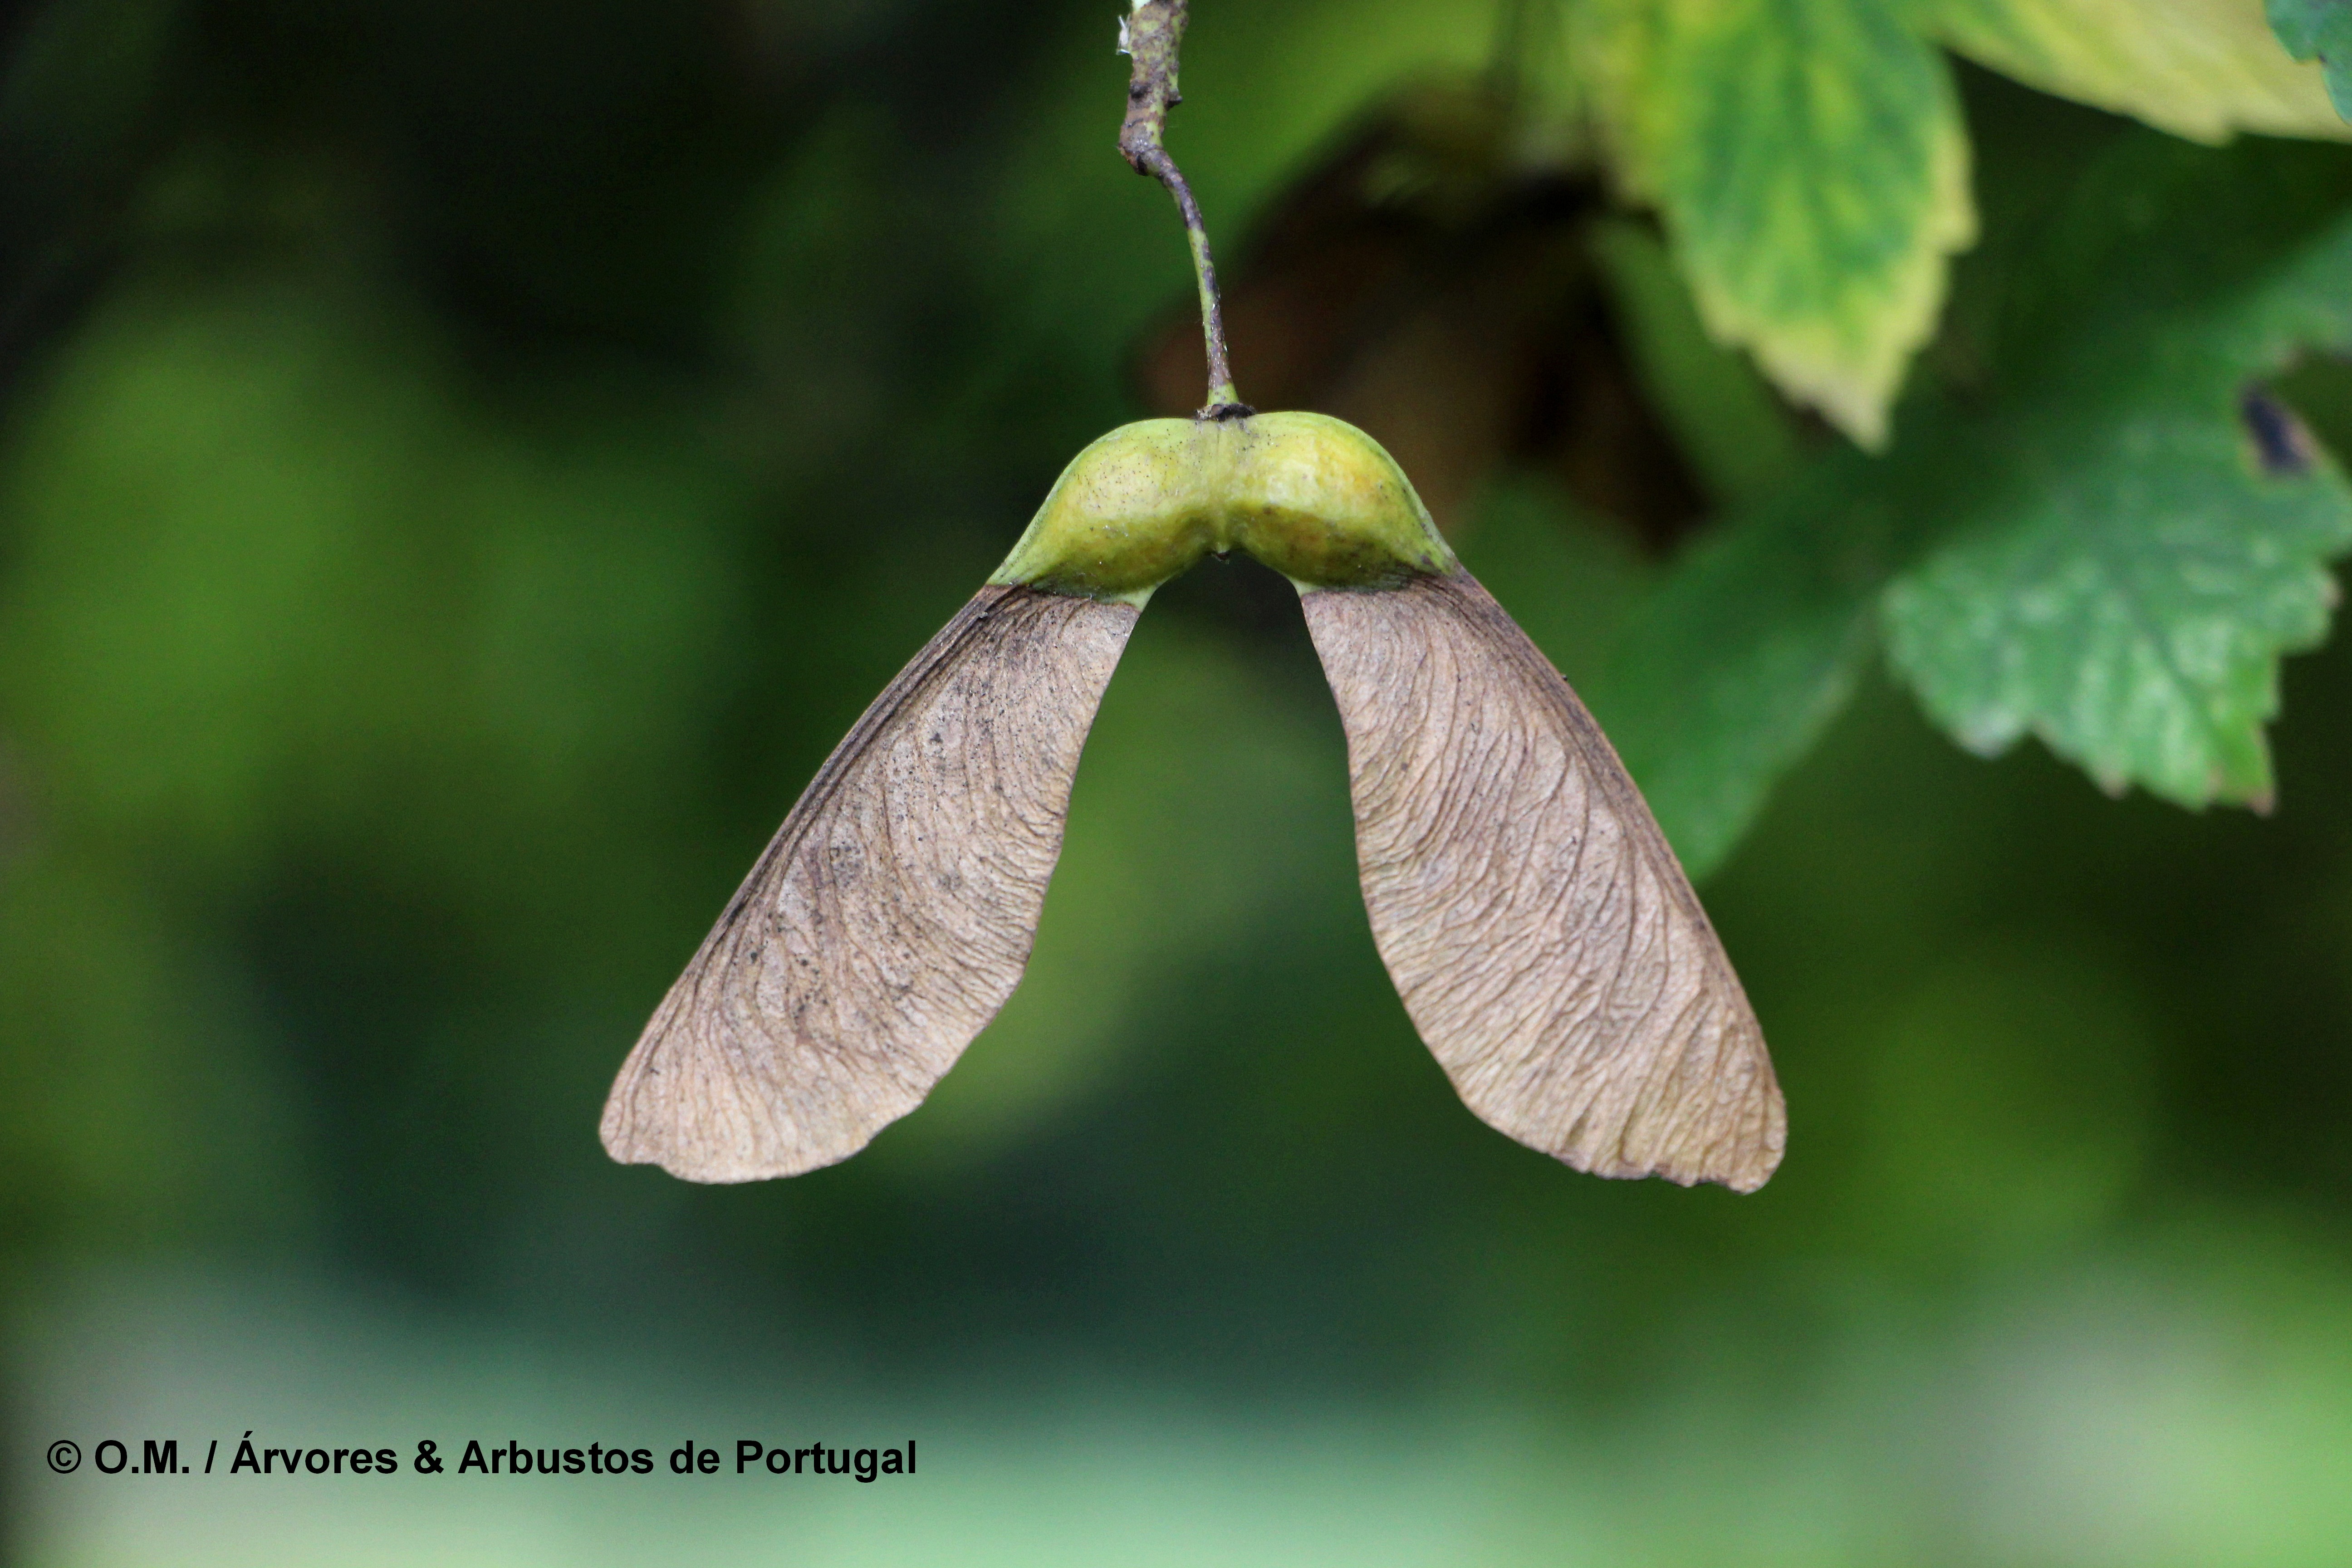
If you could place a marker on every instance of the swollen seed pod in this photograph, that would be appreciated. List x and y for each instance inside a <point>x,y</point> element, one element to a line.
<point>1542,935</point>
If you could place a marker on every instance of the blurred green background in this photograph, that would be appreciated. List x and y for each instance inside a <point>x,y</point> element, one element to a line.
<point>465,466</point>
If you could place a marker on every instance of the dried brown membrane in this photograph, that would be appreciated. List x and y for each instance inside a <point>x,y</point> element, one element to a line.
<point>1542,935</point>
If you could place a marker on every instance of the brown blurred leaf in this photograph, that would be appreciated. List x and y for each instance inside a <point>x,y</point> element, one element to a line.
<point>1423,286</point>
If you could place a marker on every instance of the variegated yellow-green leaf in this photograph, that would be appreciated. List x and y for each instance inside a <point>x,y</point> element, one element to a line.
<point>1811,163</point>
<point>2201,69</point>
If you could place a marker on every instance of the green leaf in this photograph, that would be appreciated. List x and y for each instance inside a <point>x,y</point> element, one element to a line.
<point>1740,663</point>
<point>2201,69</point>
<point>2319,30</point>
<point>1731,671</point>
<point>1811,163</point>
<point>2127,559</point>
<point>2091,432</point>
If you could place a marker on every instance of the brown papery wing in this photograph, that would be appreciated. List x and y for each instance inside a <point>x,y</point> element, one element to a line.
<point>893,913</point>
<point>1544,938</point>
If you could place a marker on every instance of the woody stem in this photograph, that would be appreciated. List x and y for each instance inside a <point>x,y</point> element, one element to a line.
<point>1152,33</point>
